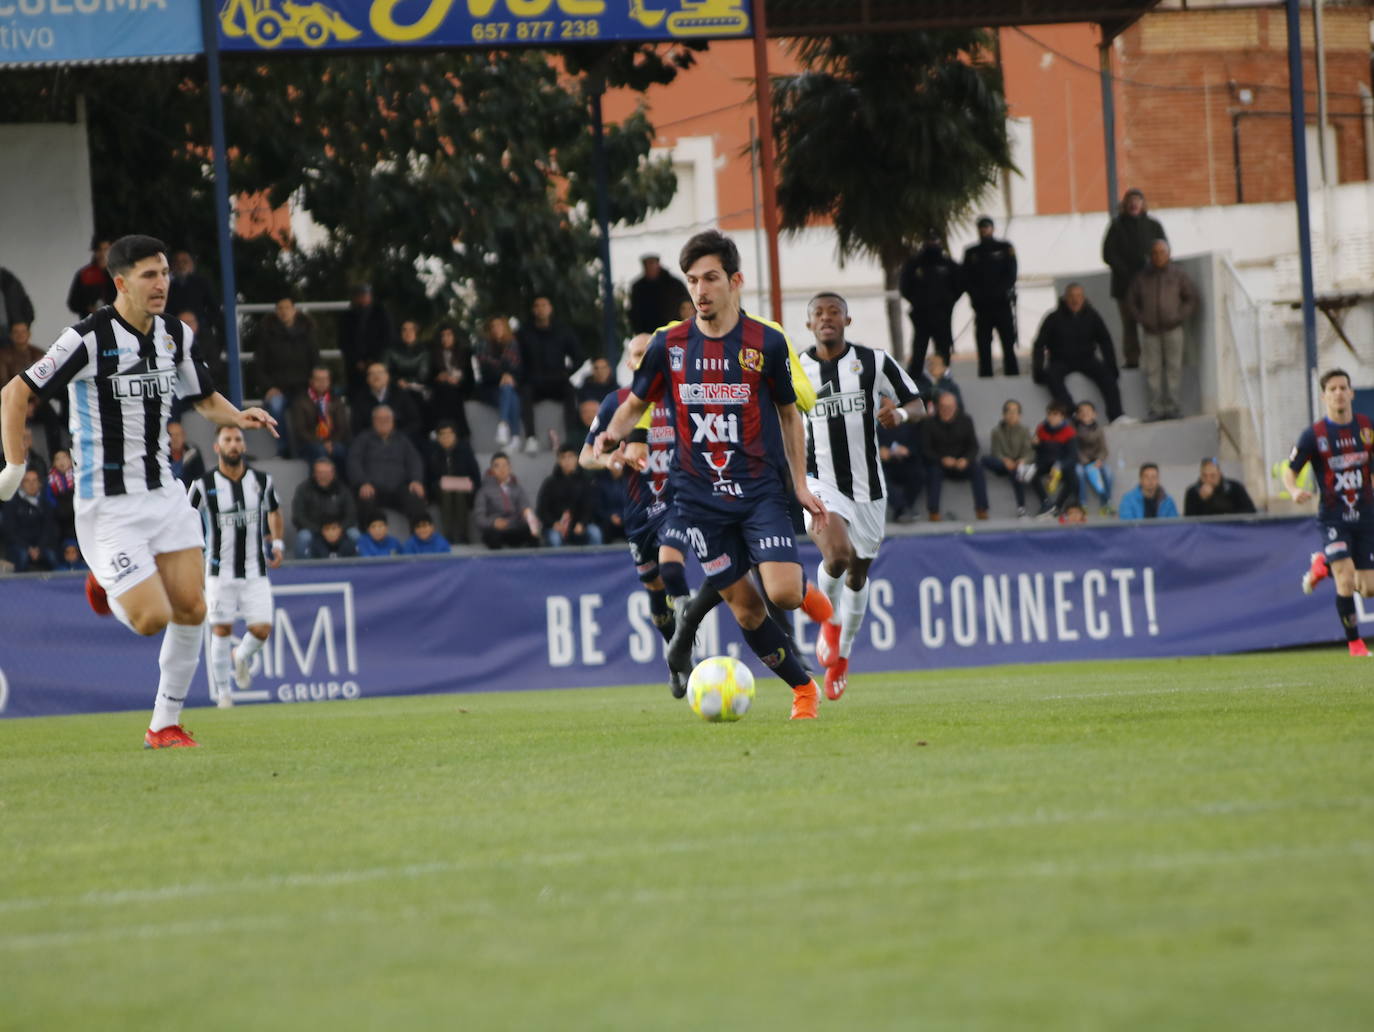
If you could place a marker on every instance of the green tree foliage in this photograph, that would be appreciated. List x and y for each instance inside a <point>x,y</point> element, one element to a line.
<point>887,135</point>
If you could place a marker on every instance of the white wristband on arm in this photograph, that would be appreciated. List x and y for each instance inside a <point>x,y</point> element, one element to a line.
<point>10,478</point>
<point>278,545</point>
<point>902,414</point>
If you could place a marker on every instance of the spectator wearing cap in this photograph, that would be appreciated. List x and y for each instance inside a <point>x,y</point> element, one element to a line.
<point>365,332</point>
<point>92,286</point>
<point>655,297</point>
<point>1216,495</point>
<point>930,281</point>
<point>1126,250</point>
<point>990,279</point>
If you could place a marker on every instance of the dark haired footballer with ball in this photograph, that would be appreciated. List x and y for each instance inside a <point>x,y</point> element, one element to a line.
<point>727,380</point>
<point>1339,448</point>
<point>122,365</point>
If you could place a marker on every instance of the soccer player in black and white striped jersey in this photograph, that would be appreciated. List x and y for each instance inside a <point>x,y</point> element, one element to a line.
<point>122,366</point>
<point>239,511</point>
<point>855,391</point>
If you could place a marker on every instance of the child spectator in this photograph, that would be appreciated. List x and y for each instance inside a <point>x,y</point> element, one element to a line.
<point>1074,513</point>
<point>424,540</point>
<point>377,541</point>
<point>1092,456</point>
<point>62,492</point>
<point>453,478</point>
<point>1013,452</point>
<point>71,560</point>
<point>1056,460</point>
<point>332,543</point>
<point>1148,500</point>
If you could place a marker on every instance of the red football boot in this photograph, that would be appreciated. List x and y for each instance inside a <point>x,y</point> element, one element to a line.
<point>95,595</point>
<point>1359,648</point>
<point>837,678</point>
<point>174,737</point>
<point>805,699</point>
<point>1316,573</point>
<point>828,644</point>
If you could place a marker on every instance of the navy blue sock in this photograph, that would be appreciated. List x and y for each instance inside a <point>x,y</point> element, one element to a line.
<point>1345,607</point>
<point>770,644</point>
<point>674,578</point>
<point>660,613</point>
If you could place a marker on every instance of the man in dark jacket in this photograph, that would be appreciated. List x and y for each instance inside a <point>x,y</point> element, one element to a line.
<point>30,526</point>
<point>190,291</point>
<point>1068,342</point>
<point>15,305</point>
<point>319,421</point>
<point>453,479</point>
<point>379,391</point>
<point>365,332</point>
<point>386,469</point>
<point>92,286</point>
<point>319,500</point>
<point>1126,250</point>
<point>990,279</point>
<point>656,297</point>
<point>930,282</point>
<point>549,352</point>
<point>567,503</point>
<point>1215,495</point>
<point>284,352</point>
<point>951,447</point>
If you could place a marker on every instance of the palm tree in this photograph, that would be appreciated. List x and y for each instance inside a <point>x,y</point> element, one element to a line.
<point>889,135</point>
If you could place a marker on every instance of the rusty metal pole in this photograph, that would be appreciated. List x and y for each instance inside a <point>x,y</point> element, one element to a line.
<point>763,95</point>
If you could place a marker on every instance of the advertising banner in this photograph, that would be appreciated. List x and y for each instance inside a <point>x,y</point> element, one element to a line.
<point>83,31</point>
<point>258,25</point>
<point>569,619</point>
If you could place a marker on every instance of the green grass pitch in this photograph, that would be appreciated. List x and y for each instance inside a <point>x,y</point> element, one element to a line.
<point>1172,844</point>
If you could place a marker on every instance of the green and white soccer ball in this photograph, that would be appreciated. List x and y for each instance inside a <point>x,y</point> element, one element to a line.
<point>720,688</point>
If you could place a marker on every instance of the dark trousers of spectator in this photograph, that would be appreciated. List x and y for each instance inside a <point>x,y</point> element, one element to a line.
<point>517,535</point>
<point>551,390</point>
<point>928,326</point>
<point>454,508</point>
<point>1002,318</point>
<point>936,476</point>
<point>997,467</point>
<point>1097,372</point>
<point>1068,484</point>
<point>905,478</point>
<point>405,501</point>
<point>446,402</point>
<point>1130,337</point>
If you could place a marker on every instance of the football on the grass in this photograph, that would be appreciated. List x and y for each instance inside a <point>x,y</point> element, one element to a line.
<point>720,688</point>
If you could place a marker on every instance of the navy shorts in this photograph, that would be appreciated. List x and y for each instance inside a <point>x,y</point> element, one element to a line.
<point>1341,540</point>
<point>729,548</point>
<point>645,539</point>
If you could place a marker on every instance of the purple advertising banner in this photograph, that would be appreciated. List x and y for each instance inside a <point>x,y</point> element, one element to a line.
<point>574,619</point>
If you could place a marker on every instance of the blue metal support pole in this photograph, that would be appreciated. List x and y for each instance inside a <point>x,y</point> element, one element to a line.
<point>1298,122</point>
<point>224,214</point>
<point>1104,62</point>
<point>610,339</point>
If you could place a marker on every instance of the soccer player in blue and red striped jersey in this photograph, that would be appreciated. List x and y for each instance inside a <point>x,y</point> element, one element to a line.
<point>1340,448</point>
<point>727,380</point>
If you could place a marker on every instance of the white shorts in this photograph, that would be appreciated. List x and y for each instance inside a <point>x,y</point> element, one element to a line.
<point>228,598</point>
<point>867,520</point>
<point>120,534</point>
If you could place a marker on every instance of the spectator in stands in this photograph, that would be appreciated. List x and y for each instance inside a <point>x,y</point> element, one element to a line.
<point>332,543</point>
<point>453,479</point>
<point>284,351</point>
<point>567,503</point>
<point>686,311</point>
<point>320,423</point>
<point>990,279</point>
<point>211,347</point>
<point>190,291</point>
<point>364,335</point>
<point>502,380</point>
<point>386,470</point>
<point>69,560</point>
<point>902,453</point>
<point>656,297</point>
<point>930,281</point>
<point>1148,500</point>
<point>15,305</point>
<point>1162,299</point>
<point>17,352</point>
<point>319,501</point>
<point>951,448</point>
<point>1074,513</point>
<point>33,458</point>
<point>610,503</point>
<point>380,391</point>
<point>378,541</point>
<point>549,353</point>
<point>92,286</point>
<point>1069,341</point>
<point>61,493</point>
<point>599,383</point>
<point>424,539</point>
<point>451,383</point>
<point>1056,460</point>
<point>408,362</point>
<point>1216,495</point>
<point>184,458</point>
<point>502,509</point>
<point>1093,469</point>
<point>1126,250</point>
<point>30,527</point>
<point>1012,452</point>
<point>937,381</point>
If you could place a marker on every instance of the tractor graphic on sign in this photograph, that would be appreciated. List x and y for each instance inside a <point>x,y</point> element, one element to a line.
<point>267,23</point>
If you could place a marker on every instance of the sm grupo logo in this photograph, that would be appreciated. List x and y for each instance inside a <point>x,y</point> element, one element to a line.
<point>312,654</point>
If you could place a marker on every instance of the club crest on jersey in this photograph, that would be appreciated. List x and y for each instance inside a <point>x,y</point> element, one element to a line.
<point>1323,445</point>
<point>676,359</point>
<point>168,344</point>
<point>1366,436</point>
<point>44,368</point>
<point>856,366</point>
<point>751,359</point>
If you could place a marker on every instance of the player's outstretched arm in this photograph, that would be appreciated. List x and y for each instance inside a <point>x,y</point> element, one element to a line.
<point>1290,484</point>
<point>624,420</point>
<point>14,406</point>
<point>221,411</point>
<point>794,443</point>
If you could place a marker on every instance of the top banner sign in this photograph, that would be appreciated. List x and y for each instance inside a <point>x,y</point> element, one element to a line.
<point>258,25</point>
<point>91,31</point>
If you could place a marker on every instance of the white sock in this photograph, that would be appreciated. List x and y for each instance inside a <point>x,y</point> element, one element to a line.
<point>119,613</point>
<point>853,605</point>
<point>218,665</point>
<point>178,661</point>
<point>249,647</point>
<point>833,587</point>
